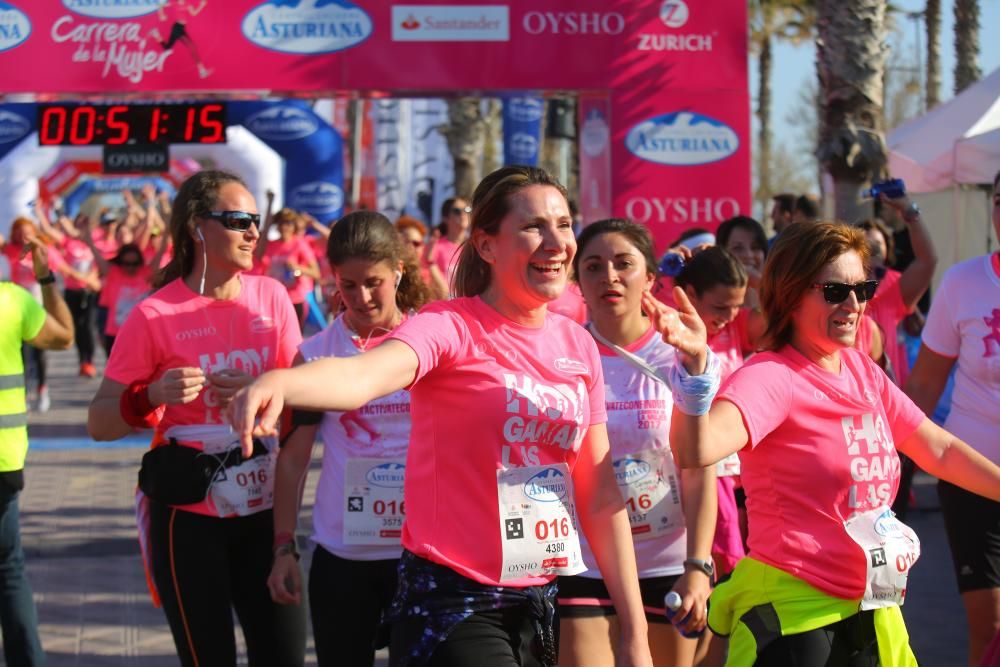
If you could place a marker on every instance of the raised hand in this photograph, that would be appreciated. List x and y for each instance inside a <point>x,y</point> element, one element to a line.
<point>680,327</point>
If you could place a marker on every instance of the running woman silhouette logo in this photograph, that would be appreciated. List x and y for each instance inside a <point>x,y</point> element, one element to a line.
<point>994,335</point>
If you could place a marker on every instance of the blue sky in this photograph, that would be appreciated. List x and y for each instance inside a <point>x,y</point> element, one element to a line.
<point>795,66</point>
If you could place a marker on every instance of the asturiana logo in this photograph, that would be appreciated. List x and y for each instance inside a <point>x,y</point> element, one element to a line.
<point>388,475</point>
<point>524,109</point>
<point>15,27</point>
<point>628,470</point>
<point>12,126</point>
<point>682,138</point>
<point>318,196</point>
<point>282,123</point>
<point>523,147</point>
<point>113,9</point>
<point>307,26</point>
<point>548,486</point>
<point>886,524</point>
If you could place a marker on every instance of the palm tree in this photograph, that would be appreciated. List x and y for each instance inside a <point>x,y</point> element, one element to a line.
<point>790,20</point>
<point>466,137</point>
<point>967,69</point>
<point>850,59</point>
<point>932,20</point>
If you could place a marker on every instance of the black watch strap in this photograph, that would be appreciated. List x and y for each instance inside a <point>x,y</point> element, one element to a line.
<point>47,280</point>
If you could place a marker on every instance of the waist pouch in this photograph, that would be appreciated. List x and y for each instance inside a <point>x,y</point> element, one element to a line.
<point>175,474</point>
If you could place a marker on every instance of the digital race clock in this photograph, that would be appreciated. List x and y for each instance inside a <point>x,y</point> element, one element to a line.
<point>116,124</point>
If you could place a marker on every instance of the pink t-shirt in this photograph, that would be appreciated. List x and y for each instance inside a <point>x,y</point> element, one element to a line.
<point>571,304</point>
<point>964,323</point>
<point>175,327</point>
<point>732,343</point>
<point>639,409</point>
<point>22,269</point>
<point>121,293</point>
<point>888,310</point>
<point>297,251</point>
<point>80,258</point>
<point>105,241</point>
<point>488,394</point>
<point>379,429</point>
<point>446,257</point>
<point>822,447</point>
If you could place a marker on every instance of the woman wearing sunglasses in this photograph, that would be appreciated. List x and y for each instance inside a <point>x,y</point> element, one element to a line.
<point>817,425</point>
<point>180,356</point>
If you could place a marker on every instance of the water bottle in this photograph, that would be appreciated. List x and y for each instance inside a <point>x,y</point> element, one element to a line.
<point>894,188</point>
<point>672,602</point>
<point>672,264</point>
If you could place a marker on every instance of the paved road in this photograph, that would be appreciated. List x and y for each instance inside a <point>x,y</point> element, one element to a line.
<point>83,558</point>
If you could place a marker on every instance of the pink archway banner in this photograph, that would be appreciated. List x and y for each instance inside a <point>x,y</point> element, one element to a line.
<point>676,120</point>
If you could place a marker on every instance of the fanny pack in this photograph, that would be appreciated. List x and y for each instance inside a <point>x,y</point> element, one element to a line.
<point>175,474</point>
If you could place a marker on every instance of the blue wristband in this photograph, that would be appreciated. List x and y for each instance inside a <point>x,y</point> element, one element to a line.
<point>693,394</point>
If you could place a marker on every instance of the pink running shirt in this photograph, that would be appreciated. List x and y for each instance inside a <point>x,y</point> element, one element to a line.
<point>175,327</point>
<point>296,250</point>
<point>822,447</point>
<point>446,257</point>
<point>22,269</point>
<point>121,293</point>
<point>888,310</point>
<point>80,258</point>
<point>488,394</point>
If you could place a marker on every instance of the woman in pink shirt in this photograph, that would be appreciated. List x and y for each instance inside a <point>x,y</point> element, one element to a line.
<point>817,425</point>
<point>508,446</point>
<point>443,248</point>
<point>290,260</point>
<point>671,512</point>
<point>182,353</point>
<point>359,508</point>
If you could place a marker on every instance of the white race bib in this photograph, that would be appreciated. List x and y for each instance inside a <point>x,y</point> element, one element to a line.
<point>538,532</point>
<point>648,484</point>
<point>729,466</point>
<point>891,548</point>
<point>373,501</point>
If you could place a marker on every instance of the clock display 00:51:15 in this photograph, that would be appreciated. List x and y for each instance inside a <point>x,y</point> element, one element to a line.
<point>116,124</point>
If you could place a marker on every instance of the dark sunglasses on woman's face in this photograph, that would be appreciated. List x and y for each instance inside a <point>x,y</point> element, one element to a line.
<point>459,210</point>
<point>237,221</point>
<point>838,292</point>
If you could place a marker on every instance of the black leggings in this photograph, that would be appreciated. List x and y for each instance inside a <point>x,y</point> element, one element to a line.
<point>81,304</point>
<point>347,599</point>
<point>496,638</point>
<point>204,567</point>
<point>847,643</point>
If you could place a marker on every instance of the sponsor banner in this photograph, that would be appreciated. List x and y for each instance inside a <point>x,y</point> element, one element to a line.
<point>595,158</point>
<point>450,23</point>
<point>522,129</point>
<point>432,171</point>
<point>392,154</point>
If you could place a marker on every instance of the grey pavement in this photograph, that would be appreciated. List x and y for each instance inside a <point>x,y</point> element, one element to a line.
<point>79,534</point>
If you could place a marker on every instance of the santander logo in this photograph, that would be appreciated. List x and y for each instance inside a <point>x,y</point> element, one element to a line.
<point>410,23</point>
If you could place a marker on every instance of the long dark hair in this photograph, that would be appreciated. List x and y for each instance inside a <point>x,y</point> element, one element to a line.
<point>636,234</point>
<point>197,195</point>
<point>369,235</point>
<point>490,205</point>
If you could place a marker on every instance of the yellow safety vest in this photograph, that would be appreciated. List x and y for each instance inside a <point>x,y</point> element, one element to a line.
<point>21,318</point>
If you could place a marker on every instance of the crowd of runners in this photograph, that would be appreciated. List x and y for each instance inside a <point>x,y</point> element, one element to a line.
<point>531,438</point>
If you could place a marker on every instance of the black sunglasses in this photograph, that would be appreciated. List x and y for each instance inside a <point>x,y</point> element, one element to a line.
<point>130,265</point>
<point>838,292</point>
<point>459,210</point>
<point>237,221</point>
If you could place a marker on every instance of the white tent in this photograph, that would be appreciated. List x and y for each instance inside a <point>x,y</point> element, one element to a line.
<point>948,158</point>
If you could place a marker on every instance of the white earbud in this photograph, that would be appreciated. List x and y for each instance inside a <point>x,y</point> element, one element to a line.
<point>197,230</point>
<point>399,279</point>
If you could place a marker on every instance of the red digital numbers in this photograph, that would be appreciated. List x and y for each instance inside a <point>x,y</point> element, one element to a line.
<point>89,124</point>
<point>555,529</point>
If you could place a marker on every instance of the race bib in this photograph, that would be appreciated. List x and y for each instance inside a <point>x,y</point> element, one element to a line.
<point>373,501</point>
<point>729,466</point>
<point>891,548</point>
<point>538,532</point>
<point>647,481</point>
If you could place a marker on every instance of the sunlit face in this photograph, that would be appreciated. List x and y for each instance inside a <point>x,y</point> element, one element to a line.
<point>459,216</point>
<point>744,246</point>
<point>876,247</point>
<point>286,227</point>
<point>532,252</point>
<point>717,306</point>
<point>613,276</point>
<point>828,327</point>
<point>368,291</point>
<point>229,249</point>
<point>412,238</point>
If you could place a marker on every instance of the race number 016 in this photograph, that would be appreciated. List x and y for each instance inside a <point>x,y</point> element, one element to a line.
<point>555,529</point>
<point>380,507</point>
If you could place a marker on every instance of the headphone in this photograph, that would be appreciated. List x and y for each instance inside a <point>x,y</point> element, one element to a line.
<point>197,230</point>
<point>399,279</point>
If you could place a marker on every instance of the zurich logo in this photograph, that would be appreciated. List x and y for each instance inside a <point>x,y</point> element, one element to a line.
<point>307,26</point>
<point>674,13</point>
<point>887,525</point>
<point>15,27</point>
<point>682,138</point>
<point>113,9</point>
<point>548,486</point>
<point>318,196</point>
<point>282,123</point>
<point>523,147</point>
<point>388,475</point>
<point>628,470</point>
<point>524,109</point>
<point>12,126</point>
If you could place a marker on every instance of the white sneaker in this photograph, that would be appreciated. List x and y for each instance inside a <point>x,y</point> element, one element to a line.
<point>44,402</point>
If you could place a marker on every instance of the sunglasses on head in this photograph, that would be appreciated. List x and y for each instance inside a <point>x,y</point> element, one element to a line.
<point>237,221</point>
<point>459,210</point>
<point>838,292</point>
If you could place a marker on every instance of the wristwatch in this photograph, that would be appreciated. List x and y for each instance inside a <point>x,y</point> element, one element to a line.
<point>706,566</point>
<point>911,213</point>
<point>286,549</point>
<point>47,280</point>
